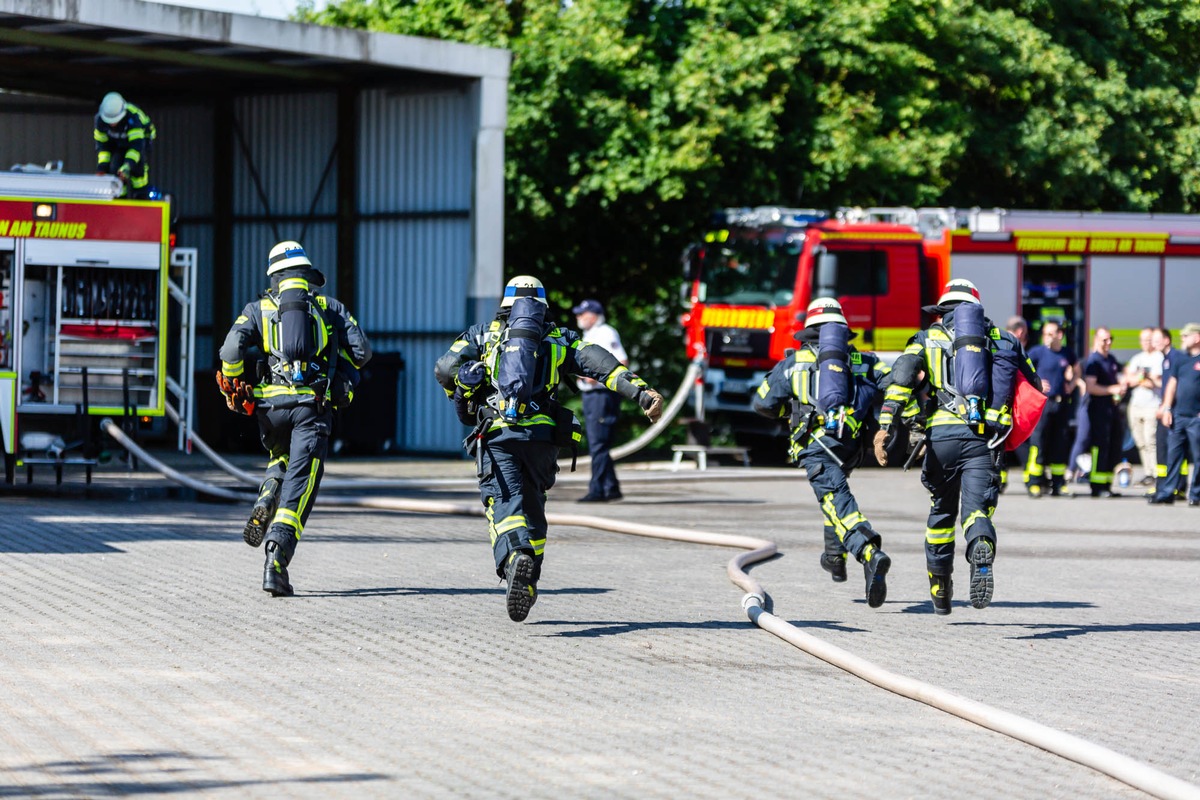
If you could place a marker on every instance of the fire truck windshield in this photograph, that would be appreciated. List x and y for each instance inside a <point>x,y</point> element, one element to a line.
<point>757,271</point>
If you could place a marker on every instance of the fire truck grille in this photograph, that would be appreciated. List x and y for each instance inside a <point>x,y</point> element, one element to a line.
<point>739,343</point>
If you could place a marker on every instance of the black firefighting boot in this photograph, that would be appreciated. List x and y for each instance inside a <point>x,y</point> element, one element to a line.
<point>835,565</point>
<point>263,511</point>
<point>281,544</point>
<point>983,553</point>
<point>876,564</point>
<point>522,586</point>
<point>941,589</point>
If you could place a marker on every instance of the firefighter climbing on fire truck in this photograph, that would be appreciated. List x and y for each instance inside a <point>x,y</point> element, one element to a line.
<point>826,390</point>
<point>124,137</point>
<point>973,370</point>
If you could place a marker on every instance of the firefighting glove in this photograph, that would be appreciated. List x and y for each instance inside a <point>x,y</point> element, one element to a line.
<point>243,398</point>
<point>651,403</point>
<point>123,174</point>
<point>883,438</point>
<point>343,392</point>
<point>226,387</point>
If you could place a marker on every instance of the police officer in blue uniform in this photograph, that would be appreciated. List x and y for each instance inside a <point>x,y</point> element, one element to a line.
<point>829,447</point>
<point>1050,442</point>
<point>1181,414</point>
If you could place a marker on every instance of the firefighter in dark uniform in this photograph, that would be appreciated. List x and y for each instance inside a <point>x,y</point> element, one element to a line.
<point>1180,412</point>
<point>516,450</point>
<point>1161,339</point>
<point>829,446</point>
<point>1046,467</point>
<point>124,135</point>
<point>960,459</point>
<point>1105,387</point>
<point>292,400</point>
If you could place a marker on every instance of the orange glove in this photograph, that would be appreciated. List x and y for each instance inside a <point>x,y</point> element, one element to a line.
<point>239,395</point>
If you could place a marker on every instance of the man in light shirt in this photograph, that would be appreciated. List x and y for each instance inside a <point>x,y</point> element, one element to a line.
<point>601,407</point>
<point>1144,375</point>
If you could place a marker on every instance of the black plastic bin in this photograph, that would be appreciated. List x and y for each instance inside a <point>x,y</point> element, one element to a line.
<point>368,427</point>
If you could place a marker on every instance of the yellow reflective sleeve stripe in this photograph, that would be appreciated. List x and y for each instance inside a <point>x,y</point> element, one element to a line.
<point>133,155</point>
<point>558,356</point>
<point>610,382</point>
<point>458,346</point>
<point>233,368</point>
<point>99,135</point>
<point>104,157</point>
<point>241,319</point>
<point>136,134</point>
<point>763,389</point>
<point>939,535</point>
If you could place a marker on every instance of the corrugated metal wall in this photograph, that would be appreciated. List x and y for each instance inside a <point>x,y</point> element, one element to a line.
<point>415,184</point>
<point>415,156</point>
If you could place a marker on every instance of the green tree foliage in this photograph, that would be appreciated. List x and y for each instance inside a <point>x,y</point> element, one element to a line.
<point>631,120</point>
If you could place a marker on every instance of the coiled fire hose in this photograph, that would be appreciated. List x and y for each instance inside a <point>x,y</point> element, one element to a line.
<point>1108,762</point>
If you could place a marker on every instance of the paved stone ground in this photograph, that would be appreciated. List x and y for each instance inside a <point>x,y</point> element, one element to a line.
<point>138,655</point>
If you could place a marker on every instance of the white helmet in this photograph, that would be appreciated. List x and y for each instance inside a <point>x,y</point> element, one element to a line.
<point>286,255</point>
<point>523,286</point>
<point>959,290</point>
<point>824,309</point>
<point>112,108</point>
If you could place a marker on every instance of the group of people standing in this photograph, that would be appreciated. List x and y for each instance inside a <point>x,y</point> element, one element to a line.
<point>1152,397</point>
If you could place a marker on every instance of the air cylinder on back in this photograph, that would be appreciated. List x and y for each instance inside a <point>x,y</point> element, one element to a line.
<point>516,370</point>
<point>835,381</point>
<point>972,358</point>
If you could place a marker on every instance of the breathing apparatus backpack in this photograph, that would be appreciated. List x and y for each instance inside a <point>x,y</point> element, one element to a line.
<point>971,356</point>
<point>299,346</point>
<point>835,381</point>
<point>515,368</point>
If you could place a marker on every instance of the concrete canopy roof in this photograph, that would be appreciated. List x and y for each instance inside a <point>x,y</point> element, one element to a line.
<point>83,48</point>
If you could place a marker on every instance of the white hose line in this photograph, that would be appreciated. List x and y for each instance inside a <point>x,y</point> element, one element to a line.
<point>113,430</point>
<point>650,434</point>
<point>1108,762</point>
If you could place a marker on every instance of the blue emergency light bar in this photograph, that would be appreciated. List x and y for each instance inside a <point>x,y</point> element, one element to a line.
<point>763,216</point>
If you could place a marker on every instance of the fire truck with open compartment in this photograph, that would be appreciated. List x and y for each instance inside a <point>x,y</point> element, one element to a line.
<point>749,281</point>
<point>86,283</point>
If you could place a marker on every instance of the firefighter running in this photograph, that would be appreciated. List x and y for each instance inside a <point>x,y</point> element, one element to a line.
<point>827,390</point>
<point>972,373</point>
<point>503,378</point>
<point>313,349</point>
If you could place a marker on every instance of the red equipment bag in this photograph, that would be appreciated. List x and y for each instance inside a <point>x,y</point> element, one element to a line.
<point>1028,402</point>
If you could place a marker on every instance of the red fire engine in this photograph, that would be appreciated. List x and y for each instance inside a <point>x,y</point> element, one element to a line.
<point>750,280</point>
<point>84,283</point>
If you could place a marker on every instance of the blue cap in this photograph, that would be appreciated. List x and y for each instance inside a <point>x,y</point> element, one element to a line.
<point>588,305</point>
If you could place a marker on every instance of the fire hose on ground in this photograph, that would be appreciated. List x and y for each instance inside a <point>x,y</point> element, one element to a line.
<point>1108,762</point>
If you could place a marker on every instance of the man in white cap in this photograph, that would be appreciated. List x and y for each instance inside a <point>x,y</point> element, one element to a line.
<point>601,406</point>
<point>960,466</point>
<point>826,391</point>
<point>124,135</point>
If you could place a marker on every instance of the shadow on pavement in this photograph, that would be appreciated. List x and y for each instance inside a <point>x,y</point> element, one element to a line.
<point>1050,630</point>
<point>926,607</point>
<point>603,628</point>
<point>384,591</point>
<point>143,774</point>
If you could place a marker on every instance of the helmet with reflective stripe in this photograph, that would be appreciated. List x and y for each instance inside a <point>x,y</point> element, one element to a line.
<point>112,108</point>
<point>286,255</point>
<point>959,290</point>
<point>523,286</point>
<point>824,309</point>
